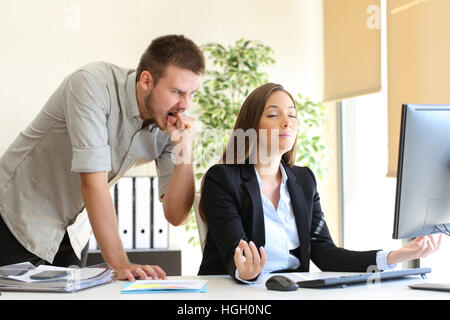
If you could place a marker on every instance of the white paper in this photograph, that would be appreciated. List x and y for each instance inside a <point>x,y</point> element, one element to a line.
<point>76,274</point>
<point>26,277</point>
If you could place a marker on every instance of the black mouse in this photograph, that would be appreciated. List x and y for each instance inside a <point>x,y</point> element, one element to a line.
<point>281,283</point>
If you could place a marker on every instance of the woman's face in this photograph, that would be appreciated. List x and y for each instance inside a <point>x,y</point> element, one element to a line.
<point>278,124</point>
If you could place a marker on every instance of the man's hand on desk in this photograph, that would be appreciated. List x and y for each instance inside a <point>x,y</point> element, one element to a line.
<point>103,219</point>
<point>420,247</point>
<point>131,272</point>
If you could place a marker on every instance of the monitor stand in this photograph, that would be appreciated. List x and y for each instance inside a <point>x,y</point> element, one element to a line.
<point>430,285</point>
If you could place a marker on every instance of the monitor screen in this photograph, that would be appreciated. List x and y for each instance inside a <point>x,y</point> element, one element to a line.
<point>422,205</point>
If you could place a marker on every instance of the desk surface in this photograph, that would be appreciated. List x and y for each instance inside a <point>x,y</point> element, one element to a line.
<point>224,288</point>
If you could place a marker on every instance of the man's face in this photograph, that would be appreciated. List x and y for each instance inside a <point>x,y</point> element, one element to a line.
<point>171,95</point>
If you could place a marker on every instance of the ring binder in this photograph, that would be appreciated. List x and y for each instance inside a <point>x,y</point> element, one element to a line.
<point>140,215</point>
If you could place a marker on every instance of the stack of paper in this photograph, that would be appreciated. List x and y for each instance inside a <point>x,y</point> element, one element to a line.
<point>159,286</point>
<point>26,277</point>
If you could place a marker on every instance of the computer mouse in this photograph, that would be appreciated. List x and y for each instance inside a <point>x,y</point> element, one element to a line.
<point>281,283</point>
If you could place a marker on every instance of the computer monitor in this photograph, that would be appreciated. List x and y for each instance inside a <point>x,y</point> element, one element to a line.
<point>422,205</point>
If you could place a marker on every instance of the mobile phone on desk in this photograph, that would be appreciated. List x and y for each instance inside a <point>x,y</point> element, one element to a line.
<point>49,274</point>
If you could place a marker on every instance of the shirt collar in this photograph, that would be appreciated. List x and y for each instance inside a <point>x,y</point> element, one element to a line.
<point>284,176</point>
<point>133,109</point>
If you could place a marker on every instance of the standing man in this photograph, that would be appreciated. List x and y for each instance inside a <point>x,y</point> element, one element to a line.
<point>101,121</point>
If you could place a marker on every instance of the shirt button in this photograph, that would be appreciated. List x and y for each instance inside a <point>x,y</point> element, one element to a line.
<point>128,157</point>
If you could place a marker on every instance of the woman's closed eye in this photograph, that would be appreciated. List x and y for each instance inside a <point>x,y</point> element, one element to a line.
<point>274,115</point>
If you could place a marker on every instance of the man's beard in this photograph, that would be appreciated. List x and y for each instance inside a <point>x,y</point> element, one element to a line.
<point>148,107</point>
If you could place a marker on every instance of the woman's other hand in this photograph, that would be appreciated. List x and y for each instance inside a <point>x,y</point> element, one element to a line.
<point>249,262</point>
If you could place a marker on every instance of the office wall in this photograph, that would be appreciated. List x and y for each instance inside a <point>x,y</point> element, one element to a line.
<point>43,41</point>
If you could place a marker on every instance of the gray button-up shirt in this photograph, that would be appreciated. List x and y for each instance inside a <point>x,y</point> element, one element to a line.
<point>90,124</point>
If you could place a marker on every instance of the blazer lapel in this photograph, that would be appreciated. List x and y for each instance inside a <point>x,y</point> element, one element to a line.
<point>302,218</point>
<point>257,219</point>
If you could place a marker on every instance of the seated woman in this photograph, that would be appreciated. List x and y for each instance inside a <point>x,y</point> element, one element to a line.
<point>257,198</point>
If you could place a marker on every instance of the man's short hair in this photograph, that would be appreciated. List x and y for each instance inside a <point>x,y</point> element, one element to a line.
<point>171,50</point>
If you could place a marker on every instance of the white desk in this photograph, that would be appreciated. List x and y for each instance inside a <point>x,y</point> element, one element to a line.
<point>224,288</point>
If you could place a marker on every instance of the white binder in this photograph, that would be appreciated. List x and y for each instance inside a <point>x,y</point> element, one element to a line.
<point>143,212</point>
<point>160,224</point>
<point>125,211</point>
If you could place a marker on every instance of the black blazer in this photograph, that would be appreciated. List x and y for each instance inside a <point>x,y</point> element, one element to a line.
<point>231,201</point>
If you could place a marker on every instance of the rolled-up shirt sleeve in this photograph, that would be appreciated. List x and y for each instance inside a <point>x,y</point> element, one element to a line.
<point>86,112</point>
<point>382,261</point>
